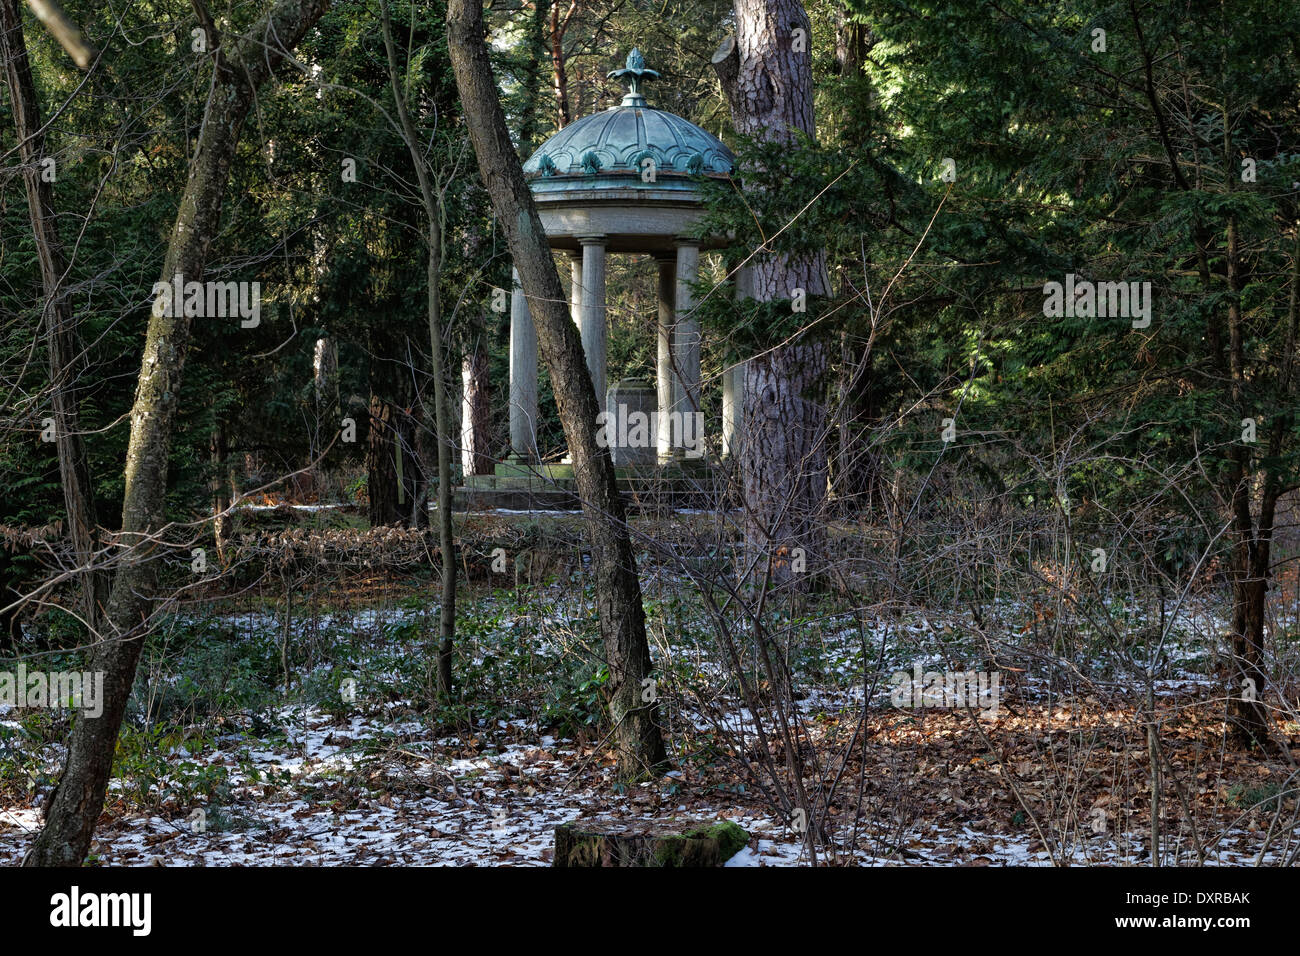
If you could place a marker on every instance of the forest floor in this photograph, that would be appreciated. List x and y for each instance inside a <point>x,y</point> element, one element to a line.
<point>297,729</point>
<point>376,791</point>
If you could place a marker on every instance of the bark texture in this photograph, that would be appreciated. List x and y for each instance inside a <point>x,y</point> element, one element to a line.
<point>784,461</point>
<point>618,590</point>
<point>383,446</point>
<point>767,78</point>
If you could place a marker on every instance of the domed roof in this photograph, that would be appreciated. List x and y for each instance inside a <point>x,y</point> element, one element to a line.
<point>623,143</point>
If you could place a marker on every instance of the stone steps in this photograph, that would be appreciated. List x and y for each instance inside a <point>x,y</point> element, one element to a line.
<point>552,487</point>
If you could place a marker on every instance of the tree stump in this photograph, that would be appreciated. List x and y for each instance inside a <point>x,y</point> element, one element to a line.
<point>600,842</point>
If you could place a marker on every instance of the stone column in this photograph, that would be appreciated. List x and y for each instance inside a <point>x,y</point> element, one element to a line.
<point>575,291</point>
<point>523,376</point>
<point>733,381</point>
<point>593,311</point>
<point>665,378</point>
<point>686,345</point>
<point>733,384</point>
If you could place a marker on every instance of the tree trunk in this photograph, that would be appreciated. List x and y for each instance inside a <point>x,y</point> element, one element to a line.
<point>434,214</point>
<point>393,465</point>
<point>383,445</point>
<point>325,388</point>
<point>858,482</point>
<point>78,799</point>
<point>11,580</point>
<point>476,408</point>
<point>784,463</point>
<point>1248,720</point>
<point>618,589</point>
<point>425,431</point>
<point>852,42</point>
<point>60,325</point>
<point>768,85</point>
<point>563,114</point>
<point>1247,717</point>
<point>218,487</point>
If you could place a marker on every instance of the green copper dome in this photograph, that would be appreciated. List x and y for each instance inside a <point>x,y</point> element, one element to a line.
<point>628,144</point>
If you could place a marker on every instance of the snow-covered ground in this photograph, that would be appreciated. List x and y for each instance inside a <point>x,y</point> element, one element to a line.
<point>375,785</point>
<point>498,808</point>
<point>337,801</point>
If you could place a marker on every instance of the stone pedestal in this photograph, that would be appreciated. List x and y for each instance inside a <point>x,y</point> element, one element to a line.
<point>631,414</point>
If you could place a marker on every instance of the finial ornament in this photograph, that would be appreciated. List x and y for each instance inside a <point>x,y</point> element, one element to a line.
<point>636,72</point>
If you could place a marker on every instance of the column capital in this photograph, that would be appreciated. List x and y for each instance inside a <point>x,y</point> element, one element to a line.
<point>681,241</point>
<point>594,240</point>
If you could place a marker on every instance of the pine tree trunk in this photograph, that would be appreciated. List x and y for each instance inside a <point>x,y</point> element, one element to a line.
<point>78,799</point>
<point>563,114</point>
<point>784,463</point>
<point>618,589</point>
<point>768,84</point>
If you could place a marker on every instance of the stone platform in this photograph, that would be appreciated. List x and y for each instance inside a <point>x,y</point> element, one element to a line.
<point>552,487</point>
